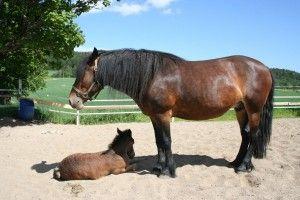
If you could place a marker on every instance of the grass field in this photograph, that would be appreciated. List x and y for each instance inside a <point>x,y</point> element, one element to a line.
<point>57,90</point>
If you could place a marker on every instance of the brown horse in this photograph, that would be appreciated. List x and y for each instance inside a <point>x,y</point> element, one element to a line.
<point>115,160</point>
<point>164,86</point>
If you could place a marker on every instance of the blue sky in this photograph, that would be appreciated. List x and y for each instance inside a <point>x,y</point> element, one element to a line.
<point>268,30</point>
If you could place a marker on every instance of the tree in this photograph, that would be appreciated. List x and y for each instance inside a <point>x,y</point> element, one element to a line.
<point>35,32</point>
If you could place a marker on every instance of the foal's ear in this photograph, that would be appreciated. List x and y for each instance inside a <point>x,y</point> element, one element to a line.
<point>130,133</point>
<point>119,131</point>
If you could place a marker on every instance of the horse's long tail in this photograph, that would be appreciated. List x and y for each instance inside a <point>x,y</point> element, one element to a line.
<point>56,173</point>
<point>262,138</point>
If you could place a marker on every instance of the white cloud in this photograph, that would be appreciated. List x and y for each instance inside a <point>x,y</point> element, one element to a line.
<point>160,3</point>
<point>126,9</point>
<point>84,48</point>
<point>167,11</point>
<point>98,8</point>
<point>134,8</point>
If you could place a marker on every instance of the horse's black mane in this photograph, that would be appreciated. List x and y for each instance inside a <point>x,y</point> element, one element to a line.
<point>130,71</point>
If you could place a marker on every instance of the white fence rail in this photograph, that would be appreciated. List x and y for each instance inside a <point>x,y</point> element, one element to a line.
<point>19,90</point>
<point>277,105</point>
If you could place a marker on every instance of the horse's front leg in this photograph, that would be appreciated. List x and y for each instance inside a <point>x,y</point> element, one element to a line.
<point>165,164</point>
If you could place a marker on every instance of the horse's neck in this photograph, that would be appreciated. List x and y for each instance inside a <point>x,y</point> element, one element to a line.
<point>119,90</point>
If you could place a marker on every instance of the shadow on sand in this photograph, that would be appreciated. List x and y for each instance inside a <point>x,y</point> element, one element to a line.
<point>13,122</point>
<point>43,167</point>
<point>145,163</point>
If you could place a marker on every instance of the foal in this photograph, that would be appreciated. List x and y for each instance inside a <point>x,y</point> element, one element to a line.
<point>115,160</point>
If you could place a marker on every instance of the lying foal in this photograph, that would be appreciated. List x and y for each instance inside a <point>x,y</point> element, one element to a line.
<point>115,160</point>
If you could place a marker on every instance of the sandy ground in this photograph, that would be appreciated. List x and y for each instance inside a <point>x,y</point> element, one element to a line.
<point>29,154</point>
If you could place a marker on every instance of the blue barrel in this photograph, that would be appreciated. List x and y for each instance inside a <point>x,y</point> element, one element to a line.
<point>26,109</point>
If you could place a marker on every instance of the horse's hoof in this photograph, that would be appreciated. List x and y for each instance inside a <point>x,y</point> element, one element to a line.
<point>244,167</point>
<point>172,171</point>
<point>157,170</point>
<point>167,174</point>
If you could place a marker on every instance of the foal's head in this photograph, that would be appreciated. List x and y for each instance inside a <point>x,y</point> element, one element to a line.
<point>123,142</point>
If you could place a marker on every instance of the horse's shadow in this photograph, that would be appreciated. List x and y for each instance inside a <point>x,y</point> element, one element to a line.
<point>144,164</point>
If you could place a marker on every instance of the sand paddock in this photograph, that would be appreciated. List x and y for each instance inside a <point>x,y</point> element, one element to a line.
<point>29,153</point>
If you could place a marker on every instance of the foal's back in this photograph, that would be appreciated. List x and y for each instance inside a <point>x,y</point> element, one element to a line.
<point>115,160</point>
<point>90,165</point>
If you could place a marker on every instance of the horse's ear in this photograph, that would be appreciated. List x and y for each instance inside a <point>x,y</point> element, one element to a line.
<point>95,51</point>
<point>95,54</point>
<point>119,131</point>
<point>93,57</point>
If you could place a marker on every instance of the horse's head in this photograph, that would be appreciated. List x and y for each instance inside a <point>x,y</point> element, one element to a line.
<point>86,86</point>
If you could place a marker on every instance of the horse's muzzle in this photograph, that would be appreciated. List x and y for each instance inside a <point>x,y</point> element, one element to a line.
<point>75,102</point>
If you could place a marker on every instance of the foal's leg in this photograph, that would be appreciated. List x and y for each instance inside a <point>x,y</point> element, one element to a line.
<point>165,164</point>
<point>246,165</point>
<point>131,167</point>
<point>242,118</point>
<point>119,171</point>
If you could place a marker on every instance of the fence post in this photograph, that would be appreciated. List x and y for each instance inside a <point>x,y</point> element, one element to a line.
<point>20,87</point>
<point>77,118</point>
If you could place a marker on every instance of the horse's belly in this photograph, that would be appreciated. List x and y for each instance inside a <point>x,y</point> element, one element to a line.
<point>200,113</point>
<point>202,108</point>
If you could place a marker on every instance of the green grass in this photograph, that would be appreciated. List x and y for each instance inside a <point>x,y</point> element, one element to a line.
<point>58,89</point>
<point>287,92</point>
<point>42,114</point>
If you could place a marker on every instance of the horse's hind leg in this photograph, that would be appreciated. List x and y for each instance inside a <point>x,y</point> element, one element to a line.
<point>246,165</point>
<point>242,118</point>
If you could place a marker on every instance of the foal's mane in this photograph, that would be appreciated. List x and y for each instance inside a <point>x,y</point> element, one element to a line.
<point>131,71</point>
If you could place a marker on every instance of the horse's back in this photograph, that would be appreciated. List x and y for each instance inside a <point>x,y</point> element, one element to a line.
<point>207,89</point>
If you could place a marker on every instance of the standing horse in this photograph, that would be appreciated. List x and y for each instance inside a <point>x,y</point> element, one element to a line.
<point>165,86</point>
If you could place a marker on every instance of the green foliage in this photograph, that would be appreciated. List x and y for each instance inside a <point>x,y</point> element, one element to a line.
<point>67,67</point>
<point>284,77</point>
<point>82,6</point>
<point>36,34</point>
